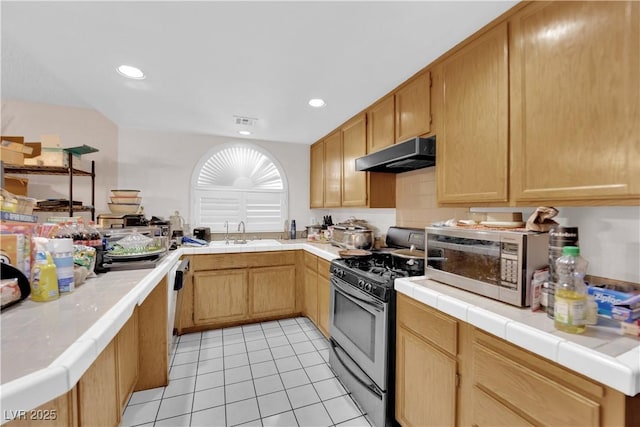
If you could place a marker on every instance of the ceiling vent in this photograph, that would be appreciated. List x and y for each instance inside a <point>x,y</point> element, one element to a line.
<point>245,121</point>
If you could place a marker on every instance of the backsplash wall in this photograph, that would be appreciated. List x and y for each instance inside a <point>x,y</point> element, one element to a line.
<point>609,236</point>
<point>416,204</point>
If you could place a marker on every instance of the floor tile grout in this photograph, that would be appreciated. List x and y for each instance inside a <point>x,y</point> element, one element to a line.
<point>289,329</point>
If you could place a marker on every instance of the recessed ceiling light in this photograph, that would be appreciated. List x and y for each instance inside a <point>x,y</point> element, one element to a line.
<point>244,132</point>
<point>131,72</point>
<point>317,102</point>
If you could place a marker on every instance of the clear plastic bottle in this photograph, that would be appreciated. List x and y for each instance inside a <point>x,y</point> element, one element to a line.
<point>570,305</point>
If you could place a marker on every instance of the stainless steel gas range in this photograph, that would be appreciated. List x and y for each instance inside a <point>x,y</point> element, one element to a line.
<point>362,324</point>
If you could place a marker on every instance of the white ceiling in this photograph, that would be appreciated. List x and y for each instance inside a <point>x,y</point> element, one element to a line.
<point>208,61</point>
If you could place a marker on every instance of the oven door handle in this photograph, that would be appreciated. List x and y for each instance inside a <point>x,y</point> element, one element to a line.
<point>371,302</point>
<point>368,384</point>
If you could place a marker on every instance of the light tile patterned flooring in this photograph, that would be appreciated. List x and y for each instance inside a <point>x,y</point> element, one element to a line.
<point>264,374</point>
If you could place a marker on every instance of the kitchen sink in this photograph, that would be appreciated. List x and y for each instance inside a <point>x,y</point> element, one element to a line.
<point>250,243</point>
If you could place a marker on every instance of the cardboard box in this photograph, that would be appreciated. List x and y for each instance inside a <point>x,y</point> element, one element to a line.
<point>25,242</point>
<point>607,296</point>
<point>56,156</point>
<point>12,250</point>
<point>13,149</point>
<point>15,185</point>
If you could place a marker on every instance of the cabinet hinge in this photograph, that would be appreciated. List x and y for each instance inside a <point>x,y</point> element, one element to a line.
<point>457,380</point>
<point>430,118</point>
<point>430,80</point>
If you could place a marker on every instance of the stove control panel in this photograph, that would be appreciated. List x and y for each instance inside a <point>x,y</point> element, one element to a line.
<point>355,278</point>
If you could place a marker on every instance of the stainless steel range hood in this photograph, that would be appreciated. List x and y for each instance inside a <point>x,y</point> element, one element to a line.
<point>417,153</point>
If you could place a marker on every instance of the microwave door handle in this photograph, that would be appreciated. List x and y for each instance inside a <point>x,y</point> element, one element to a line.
<point>482,250</point>
<point>368,384</point>
<point>356,298</point>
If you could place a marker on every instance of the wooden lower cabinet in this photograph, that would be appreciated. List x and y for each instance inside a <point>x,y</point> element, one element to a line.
<point>317,292</point>
<point>425,374</point>
<point>59,412</point>
<point>272,290</point>
<point>135,359</point>
<point>219,296</point>
<point>226,289</point>
<point>311,294</point>
<point>98,402</point>
<point>324,296</point>
<point>451,373</point>
<point>127,358</point>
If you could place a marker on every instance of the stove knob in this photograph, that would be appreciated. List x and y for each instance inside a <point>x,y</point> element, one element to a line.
<point>367,287</point>
<point>360,283</point>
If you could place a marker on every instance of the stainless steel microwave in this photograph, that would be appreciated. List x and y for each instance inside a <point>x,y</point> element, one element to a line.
<point>495,263</point>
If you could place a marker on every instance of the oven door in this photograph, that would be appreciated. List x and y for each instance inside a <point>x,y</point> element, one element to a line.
<point>359,325</point>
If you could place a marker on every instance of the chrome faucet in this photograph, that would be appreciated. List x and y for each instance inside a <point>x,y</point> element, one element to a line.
<point>226,235</point>
<point>243,241</point>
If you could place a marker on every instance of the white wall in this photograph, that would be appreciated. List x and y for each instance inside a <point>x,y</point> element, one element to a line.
<point>161,164</point>
<point>75,126</point>
<point>609,237</point>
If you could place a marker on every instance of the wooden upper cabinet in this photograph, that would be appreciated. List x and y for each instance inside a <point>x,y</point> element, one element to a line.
<point>381,124</point>
<point>354,145</point>
<point>333,170</point>
<point>413,107</point>
<point>575,104</point>
<point>472,101</point>
<point>316,192</point>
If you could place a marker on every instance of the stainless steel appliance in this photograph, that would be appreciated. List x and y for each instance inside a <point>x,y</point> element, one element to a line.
<point>416,153</point>
<point>352,236</point>
<point>362,325</point>
<point>498,264</point>
<point>121,220</point>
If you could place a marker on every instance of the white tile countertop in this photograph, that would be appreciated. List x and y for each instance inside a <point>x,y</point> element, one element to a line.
<point>47,347</point>
<point>601,353</point>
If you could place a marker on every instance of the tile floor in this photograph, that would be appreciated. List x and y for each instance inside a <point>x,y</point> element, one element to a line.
<point>264,374</point>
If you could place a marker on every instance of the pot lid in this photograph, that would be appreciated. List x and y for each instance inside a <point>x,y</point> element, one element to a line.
<point>408,253</point>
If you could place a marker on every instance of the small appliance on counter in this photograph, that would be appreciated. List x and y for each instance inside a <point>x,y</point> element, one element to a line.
<point>111,220</point>
<point>202,233</point>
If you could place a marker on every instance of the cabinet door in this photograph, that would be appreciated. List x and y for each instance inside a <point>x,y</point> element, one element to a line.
<point>324,296</point>
<point>219,296</point>
<point>98,391</point>
<point>59,412</point>
<point>413,108</point>
<point>127,351</point>
<point>472,88</point>
<point>425,383</point>
<point>316,193</point>
<point>272,291</point>
<point>332,170</point>
<point>575,107</point>
<point>381,123</point>
<point>311,294</point>
<point>489,412</point>
<point>354,145</point>
<point>523,390</point>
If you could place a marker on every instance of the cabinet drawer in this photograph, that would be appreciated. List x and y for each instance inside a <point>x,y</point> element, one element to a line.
<point>427,323</point>
<point>529,393</point>
<point>268,259</point>
<point>311,261</point>
<point>487,411</point>
<point>218,261</point>
<point>241,260</point>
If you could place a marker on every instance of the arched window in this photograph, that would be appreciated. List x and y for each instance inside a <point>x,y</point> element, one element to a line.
<point>239,182</point>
